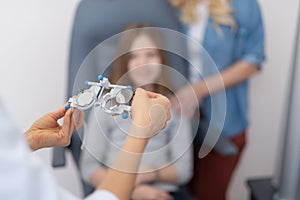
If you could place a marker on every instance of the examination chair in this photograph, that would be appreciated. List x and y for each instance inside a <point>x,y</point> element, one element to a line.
<point>95,21</point>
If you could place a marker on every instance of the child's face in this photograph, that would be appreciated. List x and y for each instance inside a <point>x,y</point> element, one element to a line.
<point>144,61</point>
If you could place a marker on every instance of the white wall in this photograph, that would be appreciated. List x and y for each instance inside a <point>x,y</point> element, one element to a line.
<point>34,44</point>
<point>34,40</point>
<point>268,96</point>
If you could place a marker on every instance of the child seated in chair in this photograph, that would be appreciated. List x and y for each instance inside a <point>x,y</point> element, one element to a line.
<point>167,161</point>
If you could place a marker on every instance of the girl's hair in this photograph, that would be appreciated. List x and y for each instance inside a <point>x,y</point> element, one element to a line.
<point>119,75</point>
<point>219,10</point>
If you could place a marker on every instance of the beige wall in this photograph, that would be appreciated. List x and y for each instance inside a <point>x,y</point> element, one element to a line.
<point>34,47</point>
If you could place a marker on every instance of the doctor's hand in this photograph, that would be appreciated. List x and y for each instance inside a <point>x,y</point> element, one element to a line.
<point>150,111</point>
<point>46,132</point>
<point>186,101</point>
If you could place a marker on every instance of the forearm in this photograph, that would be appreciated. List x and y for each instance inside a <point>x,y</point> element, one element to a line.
<point>97,177</point>
<point>121,177</point>
<point>120,180</point>
<point>237,73</point>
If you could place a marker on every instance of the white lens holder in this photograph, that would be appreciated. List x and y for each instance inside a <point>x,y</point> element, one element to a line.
<point>119,94</point>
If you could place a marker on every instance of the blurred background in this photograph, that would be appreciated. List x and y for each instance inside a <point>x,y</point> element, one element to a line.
<point>34,46</point>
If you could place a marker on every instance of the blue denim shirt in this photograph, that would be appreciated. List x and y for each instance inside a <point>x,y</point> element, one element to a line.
<point>246,43</point>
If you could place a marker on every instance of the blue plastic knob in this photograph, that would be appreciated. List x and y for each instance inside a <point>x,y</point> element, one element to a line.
<point>129,87</point>
<point>124,116</point>
<point>67,107</point>
<point>86,83</point>
<point>100,78</point>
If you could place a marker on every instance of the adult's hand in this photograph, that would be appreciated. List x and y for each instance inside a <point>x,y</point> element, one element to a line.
<point>150,111</point>
<point>46,132</point>
<point>186,100</point>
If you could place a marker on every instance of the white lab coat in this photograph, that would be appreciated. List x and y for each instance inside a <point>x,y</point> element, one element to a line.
<point>23,176</point>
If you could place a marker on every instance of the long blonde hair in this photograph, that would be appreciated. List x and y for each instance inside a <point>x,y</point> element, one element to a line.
<point>219,10</point>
